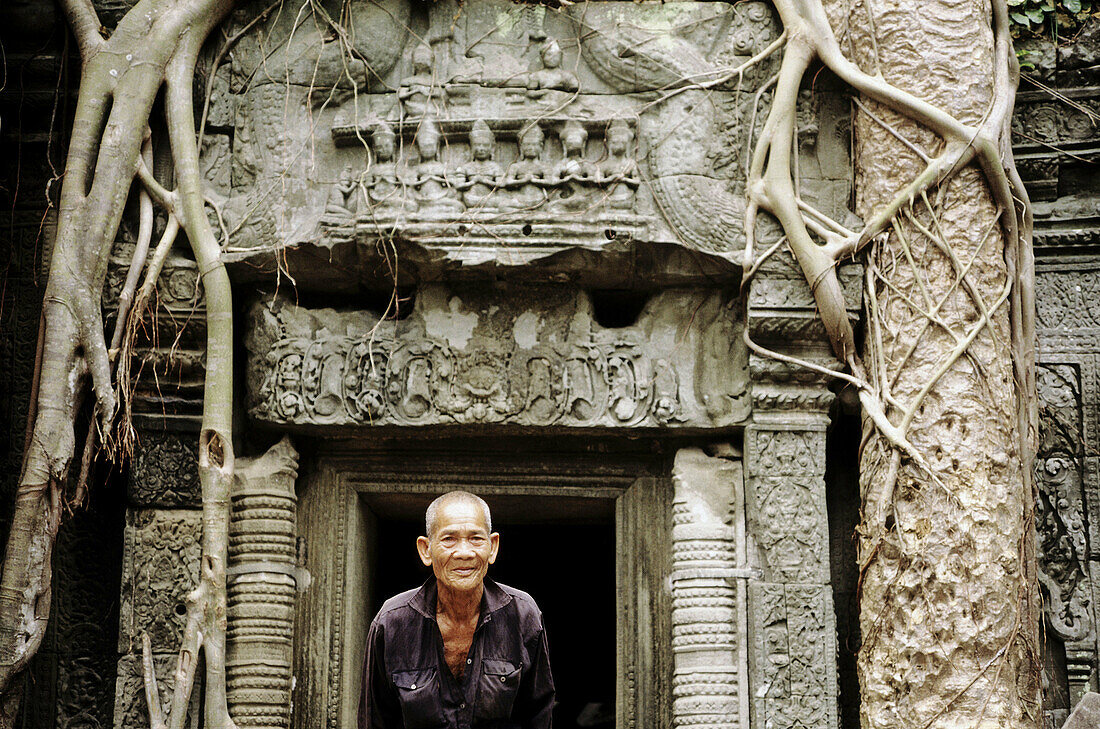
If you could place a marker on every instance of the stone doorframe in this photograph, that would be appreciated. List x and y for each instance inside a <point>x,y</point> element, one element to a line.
<point>336,519</point>
<point>682,572</point>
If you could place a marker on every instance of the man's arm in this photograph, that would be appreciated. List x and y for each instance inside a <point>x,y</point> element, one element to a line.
<point>378,707</point>
<point>535,703</point>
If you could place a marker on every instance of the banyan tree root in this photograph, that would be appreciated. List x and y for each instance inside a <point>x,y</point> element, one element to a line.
<point>154,46</point>
<point>948,595</point>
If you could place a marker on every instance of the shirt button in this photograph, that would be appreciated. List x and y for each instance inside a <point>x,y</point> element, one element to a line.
<point>502,679</point>
<point>469,661</point>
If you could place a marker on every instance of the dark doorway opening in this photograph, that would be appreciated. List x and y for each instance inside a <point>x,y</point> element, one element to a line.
<point>569,569</point>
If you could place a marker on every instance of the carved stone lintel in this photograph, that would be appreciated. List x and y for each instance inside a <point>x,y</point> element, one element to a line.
<point>537,358</point>
<point>708,601</point>
<point>160,566</point>
<point>261,589</point>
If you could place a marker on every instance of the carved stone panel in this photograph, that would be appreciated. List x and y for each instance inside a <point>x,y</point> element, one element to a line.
<point>131,709</point>
<point>164,470</point>
<point>505,133</point>
<point>531,357</point>
<point>160,566</point>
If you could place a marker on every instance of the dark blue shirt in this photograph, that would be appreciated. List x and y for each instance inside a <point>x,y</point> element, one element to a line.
<point>506,684</point>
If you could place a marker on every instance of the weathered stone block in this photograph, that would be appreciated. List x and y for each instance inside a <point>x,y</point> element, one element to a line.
<point>160,566</point>
<point>1086,715</point>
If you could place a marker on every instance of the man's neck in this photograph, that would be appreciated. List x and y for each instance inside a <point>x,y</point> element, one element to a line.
<point>459,605</point>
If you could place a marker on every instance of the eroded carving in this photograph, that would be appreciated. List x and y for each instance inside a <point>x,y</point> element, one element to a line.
<point>160,566</point>
<point>477,359</point>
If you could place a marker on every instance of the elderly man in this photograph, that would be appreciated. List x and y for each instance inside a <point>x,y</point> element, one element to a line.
<point>460,652</point>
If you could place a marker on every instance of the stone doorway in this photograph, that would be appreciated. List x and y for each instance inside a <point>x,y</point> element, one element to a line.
<point>567,565</point>
<point>360,514</point>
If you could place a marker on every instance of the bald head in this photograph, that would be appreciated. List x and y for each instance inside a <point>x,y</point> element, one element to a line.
<point>431,516</point>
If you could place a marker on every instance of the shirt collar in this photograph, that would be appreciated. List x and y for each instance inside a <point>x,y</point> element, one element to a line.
<point>493,598</point>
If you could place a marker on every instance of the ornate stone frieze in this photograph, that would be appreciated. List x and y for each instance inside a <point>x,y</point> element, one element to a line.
<point>502,133</point>
<point>262,579</point>
<point>708,593</point>
<point>160,565</point>
<point>533,358</point>
<point>1067,298</point>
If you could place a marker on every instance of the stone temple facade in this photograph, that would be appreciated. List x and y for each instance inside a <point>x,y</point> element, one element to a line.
<point>498,249</point>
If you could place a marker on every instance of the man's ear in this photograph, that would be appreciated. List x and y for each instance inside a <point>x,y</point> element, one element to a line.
<point>422,545</point>
<point>494,545</point>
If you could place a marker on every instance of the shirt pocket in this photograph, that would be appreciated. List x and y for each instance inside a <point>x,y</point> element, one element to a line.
<point>497,688</point>
<point>418,694</point>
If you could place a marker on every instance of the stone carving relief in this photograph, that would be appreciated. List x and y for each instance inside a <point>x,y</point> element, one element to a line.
<point>1059,516</point>
<point>475,358</point>
<point>131,709</point>
<point>160,566</point>
<point>164,470</point>
<point>505,132</point>
<point>1068,298</point>
<point>262,579</point>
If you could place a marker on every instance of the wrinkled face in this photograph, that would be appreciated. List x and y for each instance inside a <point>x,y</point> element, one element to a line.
<point>573,142</point>
<point>617,143</point>
<point>461,549</point>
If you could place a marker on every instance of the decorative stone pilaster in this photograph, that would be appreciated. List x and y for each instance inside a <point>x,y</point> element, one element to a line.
<point>791,622</point>
<point>263,578</point>
<point>708,593</point>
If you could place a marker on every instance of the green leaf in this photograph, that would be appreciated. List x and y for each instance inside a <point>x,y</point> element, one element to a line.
<point>1074,6</point>
<point>1014,3</point>
<point>1035,15</point>
<point>1020,19</point>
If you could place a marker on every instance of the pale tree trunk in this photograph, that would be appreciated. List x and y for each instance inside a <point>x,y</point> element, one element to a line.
<point>948,602</point>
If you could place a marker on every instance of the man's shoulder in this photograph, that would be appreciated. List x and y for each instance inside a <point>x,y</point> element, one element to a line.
<point>395,605</point>
<point>525,604</point>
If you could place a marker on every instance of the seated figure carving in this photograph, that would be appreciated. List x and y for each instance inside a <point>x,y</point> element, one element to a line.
<point>384,188</point>
<point>551,75</point>
<point>482,174</point>
<point>422,94</point>
<point>620,171</point>
<point>341,199</point>
<point>435,195</point>
<point>527,175</point>
<point>574,175</point>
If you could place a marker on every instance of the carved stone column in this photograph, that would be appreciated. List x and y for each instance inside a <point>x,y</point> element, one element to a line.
<point>708,593</point>
<point>791,620</point>
<point>262,581</point>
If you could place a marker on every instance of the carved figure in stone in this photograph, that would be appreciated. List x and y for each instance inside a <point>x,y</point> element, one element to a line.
<point>527,175</point>
<point>492,635</point>
<point>620,171</point>
<point>422,94</point>
<point>574,175</point>
<point>341,200</point>
<point>434,193</point>
<point>384,188</point>
<point>482,173</point>
<point>551,76</point>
